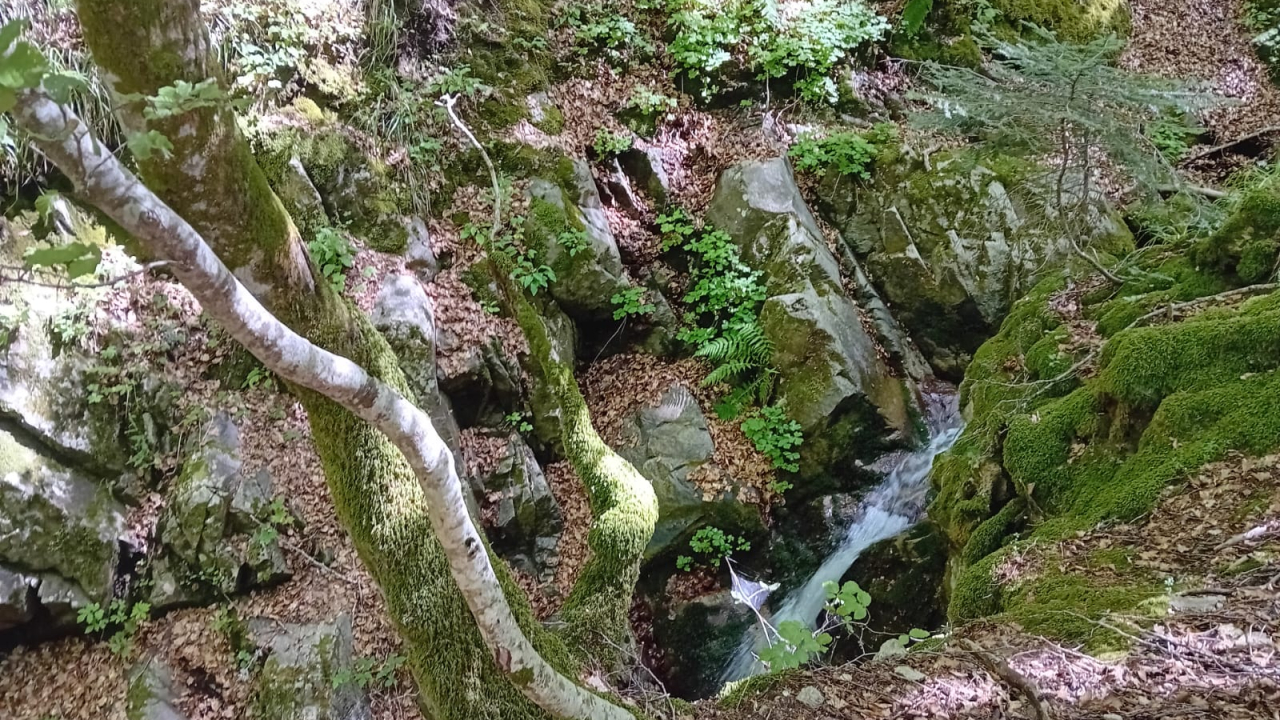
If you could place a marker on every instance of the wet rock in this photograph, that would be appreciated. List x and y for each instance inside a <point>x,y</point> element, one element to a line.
<point>57,523</point>
<point>906,578</point>
<point>302,676</point>
<point>832,379</point>
<point>586,278</point>
<point>699,638</point>
<point>403,315</point>
<point>516,496</point>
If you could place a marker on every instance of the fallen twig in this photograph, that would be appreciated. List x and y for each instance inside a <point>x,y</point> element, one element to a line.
<point>1001,670</point>
<point>1228,145</point>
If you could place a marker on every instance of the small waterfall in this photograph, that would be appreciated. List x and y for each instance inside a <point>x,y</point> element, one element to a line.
<point>889,509</point>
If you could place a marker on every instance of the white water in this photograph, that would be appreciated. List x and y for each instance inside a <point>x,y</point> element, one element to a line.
<point>889,509</point>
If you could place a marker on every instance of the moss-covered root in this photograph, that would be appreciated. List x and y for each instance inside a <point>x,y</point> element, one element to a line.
<point>382,506</point>
<point>623,506</point>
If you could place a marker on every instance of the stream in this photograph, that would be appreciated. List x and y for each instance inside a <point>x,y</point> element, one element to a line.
<point>890,508</point>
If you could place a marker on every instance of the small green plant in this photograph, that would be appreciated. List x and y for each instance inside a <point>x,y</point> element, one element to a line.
<point>454,81</point>
<point>1172,137</point>
<point>848,154</point>
<point>711,546</point>
<point>631,302</point>
<point>721,321</point>
<point>518,422</point>
<point>273,517</point>
<point>258,375</point>
<point>609,143</point>
<point>333,254</point>
<point>648,101</point>
<point>227,623</point>
<point>120,615</point>
<point>775,435</point>
<point>366,672</point>
<point>795,646</point>
<point>573,241</point>
<point>597,28</point>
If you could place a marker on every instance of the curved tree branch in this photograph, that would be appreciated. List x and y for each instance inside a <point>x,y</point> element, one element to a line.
<point>65,140</point>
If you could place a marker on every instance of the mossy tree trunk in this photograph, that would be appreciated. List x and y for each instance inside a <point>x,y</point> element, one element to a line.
<point>213,182</point>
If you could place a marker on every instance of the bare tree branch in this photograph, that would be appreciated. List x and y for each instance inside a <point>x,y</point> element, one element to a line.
<point>105,183</point>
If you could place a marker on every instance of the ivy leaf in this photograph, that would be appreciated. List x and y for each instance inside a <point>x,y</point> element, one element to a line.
<point>145,145</point>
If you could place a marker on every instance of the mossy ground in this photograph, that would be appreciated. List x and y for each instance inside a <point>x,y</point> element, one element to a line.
<point>1042,461</point>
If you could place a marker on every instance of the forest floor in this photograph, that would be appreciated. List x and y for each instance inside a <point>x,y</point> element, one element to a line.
<point>1213,656</point>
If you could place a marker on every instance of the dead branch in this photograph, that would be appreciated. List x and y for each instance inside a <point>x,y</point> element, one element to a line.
<point>1014,679</point>
<point>1228,145</point>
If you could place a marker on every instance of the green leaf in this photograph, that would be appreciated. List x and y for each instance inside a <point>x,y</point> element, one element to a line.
<point>919,634</point>
<point>145,145</point>
<point>54,256</point>
<point>914,14</point>
<point>44,203</point>
<point>83,266</point>
<point>62,86</point>
<point>23,67</point>
<point>10,32</point>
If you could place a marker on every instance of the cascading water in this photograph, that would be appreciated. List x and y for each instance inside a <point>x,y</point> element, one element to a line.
<point>889,509</point>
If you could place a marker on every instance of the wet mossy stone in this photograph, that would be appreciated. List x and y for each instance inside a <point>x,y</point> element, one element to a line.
<point>905,576</point>
<point>699,638</point>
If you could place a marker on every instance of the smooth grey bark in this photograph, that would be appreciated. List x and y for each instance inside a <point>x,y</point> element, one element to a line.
<point>105,183</point>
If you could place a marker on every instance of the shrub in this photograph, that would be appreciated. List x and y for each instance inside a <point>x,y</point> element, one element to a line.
<point>333,254</point>
<point>712,546</point>
<point>848,154</point>
<point>775,435</point>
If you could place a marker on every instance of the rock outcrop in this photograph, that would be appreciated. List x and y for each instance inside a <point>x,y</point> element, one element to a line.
<point>60,535</point>
<point>307,671</point>
<point>209,531</point>
<point>587,277</point>
<point>522,515</point>
<point>950,246</point>
<point>832,379</point>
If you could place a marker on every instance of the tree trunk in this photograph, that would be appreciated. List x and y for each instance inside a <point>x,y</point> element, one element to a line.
<point>624,508</point>
<point>213,182</point>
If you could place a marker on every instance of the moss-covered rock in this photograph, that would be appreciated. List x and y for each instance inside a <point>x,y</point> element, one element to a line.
<point>210,514</point>
<point>356,188</point>
<point>832,380</point>
<point>952,245</point>
<point>307,674</point>
<point>1047,454</point>
<point>904,576</point>
<point>699,638</point>
<point>586,278</point>
<point>56,523</point>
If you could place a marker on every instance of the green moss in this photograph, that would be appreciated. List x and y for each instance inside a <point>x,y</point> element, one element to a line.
<point>976,593</point>
<point>990,535</point>
<point>734,694</point>
<point>1252,230</point>
<point>552,122</point>
<point>1143,365</point>
<point>1050,602</point>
